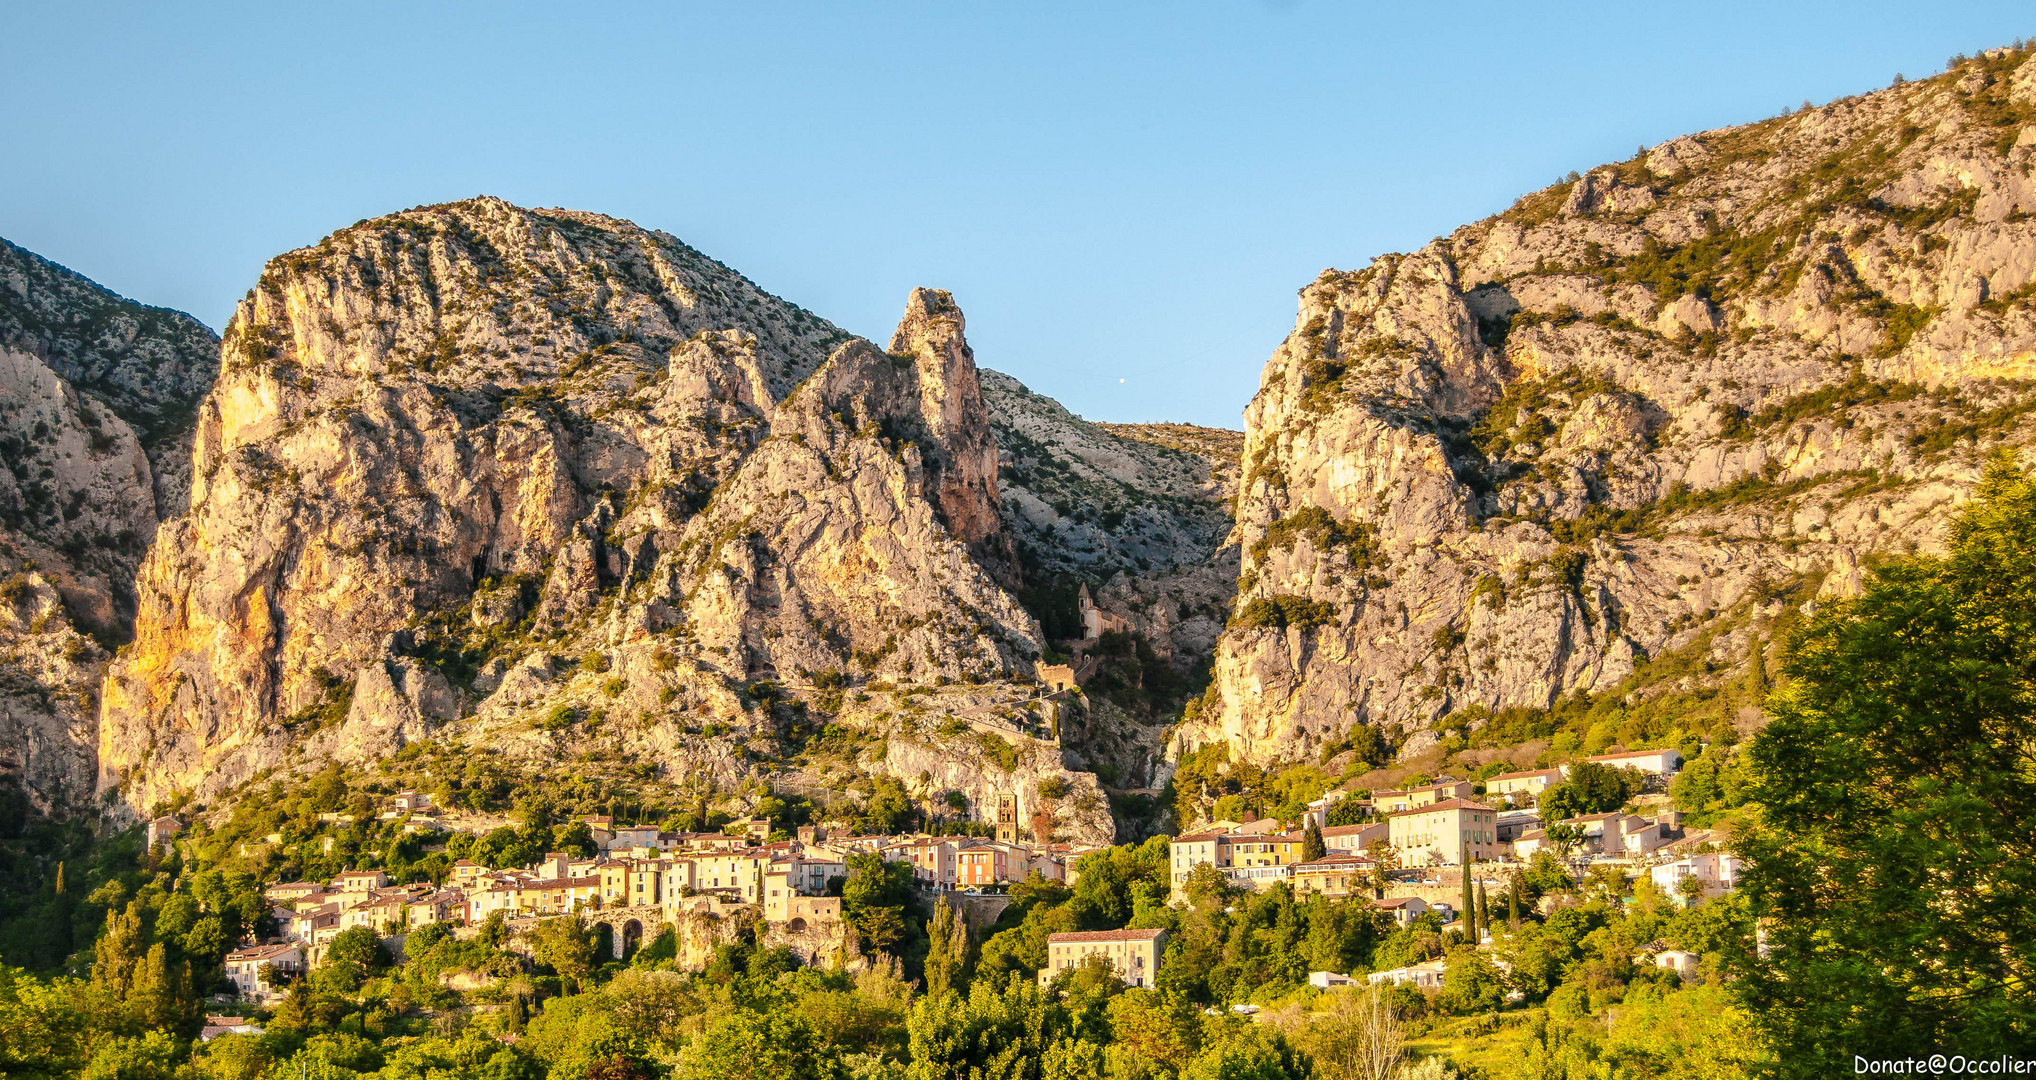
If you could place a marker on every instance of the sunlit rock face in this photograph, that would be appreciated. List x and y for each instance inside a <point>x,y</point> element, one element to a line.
<point>1641,413</point>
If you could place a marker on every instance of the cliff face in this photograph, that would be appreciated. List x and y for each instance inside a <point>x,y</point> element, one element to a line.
<point>546,485</point>
<point>964,472</point>
<point>95,398</point>
<point>1140,513</point>
<point>1647,410</point>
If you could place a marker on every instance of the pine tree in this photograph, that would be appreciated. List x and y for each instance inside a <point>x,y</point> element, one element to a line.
<point>1312,845</point>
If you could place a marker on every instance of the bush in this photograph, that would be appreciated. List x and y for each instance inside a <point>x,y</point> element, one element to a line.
<point>1323,532</point>
<point>1281,612</point>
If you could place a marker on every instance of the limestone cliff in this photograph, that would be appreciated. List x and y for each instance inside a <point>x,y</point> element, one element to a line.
<point>1651,409</point>
<point>1140,515</point>
<point>95,398</point>
<point>547,487</point>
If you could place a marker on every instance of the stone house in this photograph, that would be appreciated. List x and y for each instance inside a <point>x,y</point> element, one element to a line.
<point>1445,833</point>
<point>1134,954</point>
<point>1403,909</point>
<point>162,830</point>
<point>1336,875</point>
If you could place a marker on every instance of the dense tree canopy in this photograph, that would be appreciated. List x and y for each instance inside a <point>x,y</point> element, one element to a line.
<point>1893,868</point>
<point>1591,788</point>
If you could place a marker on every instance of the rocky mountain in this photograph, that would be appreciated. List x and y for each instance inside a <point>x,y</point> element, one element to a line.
<point>1645,415</point>
<point>96,396</point>
<point>1140,515</point>
<point>548,492</point>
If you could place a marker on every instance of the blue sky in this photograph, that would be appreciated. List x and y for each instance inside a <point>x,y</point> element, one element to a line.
<point>1123,197</point>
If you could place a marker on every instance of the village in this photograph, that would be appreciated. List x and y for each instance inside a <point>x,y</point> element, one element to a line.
<point>1435,850</point>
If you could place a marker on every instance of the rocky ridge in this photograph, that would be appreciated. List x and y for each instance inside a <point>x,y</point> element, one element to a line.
<point>96,393</point>
<point>1653,409</point>
<point>543,487</point>
<point>1140,513</point>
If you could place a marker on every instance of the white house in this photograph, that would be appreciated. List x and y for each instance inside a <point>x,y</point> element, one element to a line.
<point>1662,763</point>
<point>1403,909</point>
<point>1715,872</point>
<point>243,968</point>
<point>1530,782</point>
<point>1426,975</point>
<point>1677,960</point>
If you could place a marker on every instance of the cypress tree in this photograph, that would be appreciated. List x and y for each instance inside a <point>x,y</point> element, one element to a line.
<point>1513,901</point>
<point>1470,908</point>
<point>1484,909</point>
<point>1312,845</point>
<point>1756,671</point>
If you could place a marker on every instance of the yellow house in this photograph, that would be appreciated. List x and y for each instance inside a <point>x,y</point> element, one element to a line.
<point>1134,954</point>
<point>1531,782</point>
<point>1445,833</point>
<point>1413,798</point>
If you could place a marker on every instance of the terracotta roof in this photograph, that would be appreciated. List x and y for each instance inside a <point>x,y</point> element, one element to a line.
<point>1332,862</point>
<point>1397,901</point>
<point>260,952</point>
<point>1440,783</point>
<point>1446,804</point>
<point>1521,775</point>
<point>1104,935</point>
<point>1196,837</point>
<point>1347,830</point>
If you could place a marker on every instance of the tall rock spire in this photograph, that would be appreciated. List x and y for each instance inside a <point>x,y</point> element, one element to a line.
<point>964,484</point>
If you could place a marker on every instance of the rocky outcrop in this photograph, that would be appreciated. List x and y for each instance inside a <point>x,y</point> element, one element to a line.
<point>963,473</point>
<point>149,366</point>
<point>553,488</point>
<point>1140,513</point>
<point>1052,803</point>
<point>95,396</point>
<point>1631,415</point>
